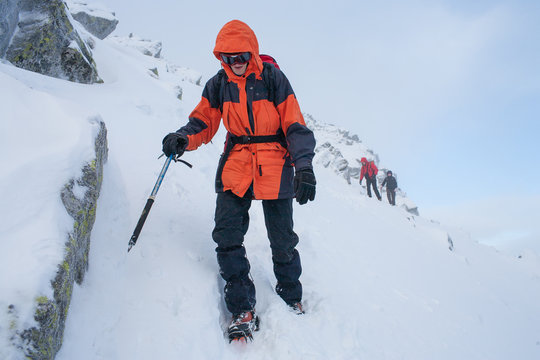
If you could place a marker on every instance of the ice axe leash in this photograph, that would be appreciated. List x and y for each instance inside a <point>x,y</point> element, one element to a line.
<point>151,199</point>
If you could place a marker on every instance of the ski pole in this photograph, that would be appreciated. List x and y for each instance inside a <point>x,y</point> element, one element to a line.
<point>150,200</point>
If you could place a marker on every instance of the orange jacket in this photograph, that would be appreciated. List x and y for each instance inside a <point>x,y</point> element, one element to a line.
<point>248,107</point>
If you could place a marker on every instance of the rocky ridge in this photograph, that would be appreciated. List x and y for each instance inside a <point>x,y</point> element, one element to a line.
<point>341,151</point>
<point>42,36</point>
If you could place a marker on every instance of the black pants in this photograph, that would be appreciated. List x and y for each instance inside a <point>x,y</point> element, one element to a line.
<point>232,221</point>
<point>391,195</point>
<point>372,182</point>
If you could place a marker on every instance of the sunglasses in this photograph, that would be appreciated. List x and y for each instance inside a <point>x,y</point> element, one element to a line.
<point>236,59</point>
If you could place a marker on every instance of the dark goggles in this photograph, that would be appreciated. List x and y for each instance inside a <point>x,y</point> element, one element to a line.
<point>236,59</point>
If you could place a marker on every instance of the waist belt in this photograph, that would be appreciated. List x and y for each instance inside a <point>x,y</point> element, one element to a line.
<point>256,139</point>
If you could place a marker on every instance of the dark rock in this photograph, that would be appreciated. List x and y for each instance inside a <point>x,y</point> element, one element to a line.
<point>44,340</point>
<point>9,14</point>
<point>98,23</point>
<point>450,243</point>
<point>46,42</point>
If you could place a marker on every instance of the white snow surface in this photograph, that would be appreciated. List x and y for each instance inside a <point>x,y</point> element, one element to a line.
<point>379,283</point>
<point>44,141</point>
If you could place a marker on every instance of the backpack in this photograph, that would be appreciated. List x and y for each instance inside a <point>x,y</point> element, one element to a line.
<point>268,59</point>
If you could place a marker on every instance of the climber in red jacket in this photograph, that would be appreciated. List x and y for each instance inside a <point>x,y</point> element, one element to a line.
<point>369,170</point>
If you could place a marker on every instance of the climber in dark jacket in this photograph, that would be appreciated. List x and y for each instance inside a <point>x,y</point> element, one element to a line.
<point>391,186</point>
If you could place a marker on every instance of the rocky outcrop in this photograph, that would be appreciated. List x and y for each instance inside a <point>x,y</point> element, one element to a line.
<point>45,339</point>
<point>97,20</point>
<point>9,11</point>
<point>44,41</point>
<point>145,46</point>
<point>329,155</point>
<point>342,152</point>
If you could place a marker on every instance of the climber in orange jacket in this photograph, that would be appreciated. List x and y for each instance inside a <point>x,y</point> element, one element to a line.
<point>268,156</point>
<point>369,170</point>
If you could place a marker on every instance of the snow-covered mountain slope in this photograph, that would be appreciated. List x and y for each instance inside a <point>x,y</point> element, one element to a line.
<point>380,283</point>
<point>340,151</point>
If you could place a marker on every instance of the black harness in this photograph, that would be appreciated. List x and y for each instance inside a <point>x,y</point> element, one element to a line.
<point>256,139</point>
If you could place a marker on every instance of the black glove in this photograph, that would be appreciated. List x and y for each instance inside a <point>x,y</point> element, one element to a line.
<point>304,185</point>
<point>174,143</point>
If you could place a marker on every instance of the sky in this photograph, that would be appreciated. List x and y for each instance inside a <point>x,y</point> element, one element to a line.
<point>446,92</point>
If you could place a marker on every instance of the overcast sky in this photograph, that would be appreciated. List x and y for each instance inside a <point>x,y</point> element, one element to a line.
<point>446,92</point>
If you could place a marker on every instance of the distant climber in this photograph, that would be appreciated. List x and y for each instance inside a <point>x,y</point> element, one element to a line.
<point>369,170</point>
<point>391,186</point>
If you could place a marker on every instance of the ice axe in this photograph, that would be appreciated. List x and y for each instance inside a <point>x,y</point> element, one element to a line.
<point>151,199</point>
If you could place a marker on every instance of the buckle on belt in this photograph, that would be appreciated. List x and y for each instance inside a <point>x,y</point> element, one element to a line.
<point>245,139</point>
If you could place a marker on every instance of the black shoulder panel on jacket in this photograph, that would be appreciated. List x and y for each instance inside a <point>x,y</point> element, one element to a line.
<point>281,88</point>
<point>194,126</point>
<point>219,90</point>
<point>213,90</point>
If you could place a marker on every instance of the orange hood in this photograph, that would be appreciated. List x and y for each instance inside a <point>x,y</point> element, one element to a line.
<point>235,37</point>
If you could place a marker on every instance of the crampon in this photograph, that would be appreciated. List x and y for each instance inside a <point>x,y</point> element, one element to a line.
<point>242,327</point>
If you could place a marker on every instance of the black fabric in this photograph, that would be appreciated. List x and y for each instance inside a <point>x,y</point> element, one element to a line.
<point>257,139</point>
<point>174,143</point>
<point>219,90</point>
<point>264,90</point>
<point>283,240</point>
<point>221,164</point>
<point>194,126</point>
<point>391,195</point>
<point>231,225</point>
<point>279,85</point>
<point>269,79</point>
<point>304,185</point>
<point>301,145</point>
<point>390,182</point>
<point>372,182</point>
<point>250,94</point>
<point>286,183</point>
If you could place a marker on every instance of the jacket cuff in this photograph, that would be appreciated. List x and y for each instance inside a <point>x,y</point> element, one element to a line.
<point>303,164</point>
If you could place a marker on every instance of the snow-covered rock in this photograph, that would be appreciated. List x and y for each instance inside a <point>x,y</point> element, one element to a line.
<point>46,42</point>
<point>95,18</point>
<point>145,46</point>
<point>79,196</point>
<point>50,186</point>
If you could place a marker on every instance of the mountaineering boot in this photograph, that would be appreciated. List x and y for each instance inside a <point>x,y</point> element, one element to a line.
<point>297,308</point>
<point>243,325</point>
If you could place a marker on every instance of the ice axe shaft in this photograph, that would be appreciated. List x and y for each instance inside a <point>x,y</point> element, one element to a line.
<point>149,204</point>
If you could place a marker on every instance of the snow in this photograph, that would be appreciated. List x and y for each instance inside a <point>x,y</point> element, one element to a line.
<point>379,283</point>
<point>42,146</point>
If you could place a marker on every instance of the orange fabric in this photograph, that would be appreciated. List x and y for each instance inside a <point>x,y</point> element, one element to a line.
<point>259,164</point>
<point>237,37</point>
<point>290,113</point>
